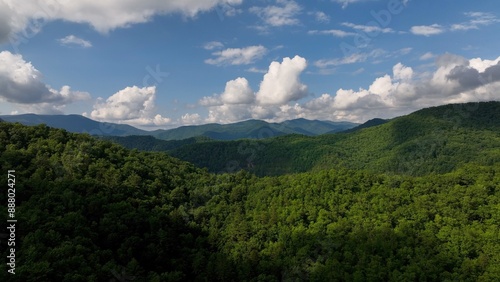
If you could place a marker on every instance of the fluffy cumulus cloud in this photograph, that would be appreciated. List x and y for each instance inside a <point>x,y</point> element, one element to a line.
<point>281,84</point>
<point>132,105</point>
<point>237,56</point>
<point>17,16</point>
<point>237,92</point>
<point>189,119</point>
<point>21,83</point>
<point>454,80</point>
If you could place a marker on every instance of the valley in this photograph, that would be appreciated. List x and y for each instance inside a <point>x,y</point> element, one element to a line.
<point>414,198</point>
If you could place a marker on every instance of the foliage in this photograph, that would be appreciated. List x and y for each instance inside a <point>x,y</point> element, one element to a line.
<point>434,140</point>
<point>91,210</point>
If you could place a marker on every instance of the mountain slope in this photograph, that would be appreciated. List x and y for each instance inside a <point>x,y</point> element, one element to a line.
<point>76,124</point>
<point>316,127</point>
<point>90,210</point>
<point>150,143</point>
<point>370,123</point>
<point>434,140</point>
<point>254,129</point>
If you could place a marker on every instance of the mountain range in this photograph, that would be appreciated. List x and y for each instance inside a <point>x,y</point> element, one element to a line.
<point>415,198</point>
<point>76,124</point>
<point>253,129</point>
<point>431,140</point>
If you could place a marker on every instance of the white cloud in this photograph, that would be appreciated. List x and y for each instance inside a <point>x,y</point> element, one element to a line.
<point>229,113</point>
<point>282,15</point>
<point>320,17</point>
<point>403,51</point>
<point>357,58</point>
<point>401,72</point>
<point>225,9</point>
<point>427,30</point>
<point>213,45</point>
<point>281,84</point>
<point>132,105</point>
<point>368,28</point>
<point>481,65</point>
<point>237,91</point>
<point>454,80</point>
<point>477,19</point>
<point>354,58</point>
<point>237,56</point>
<point>377,55</point>
<point>334,32</point>
<point>345,3</point>
<point>256,70</point>
<point>463,27</point>
<point>190,119</point>
<point>210,101</point>
<point>21,83</point>
<point>74,40</point>
<point>103,16</point>
<point>427,56</point>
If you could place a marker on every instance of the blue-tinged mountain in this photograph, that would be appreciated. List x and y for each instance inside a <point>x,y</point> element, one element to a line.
<point>253,129</point>
<point>317,127</point>
<point>432,140</point>
<point>76,124</point>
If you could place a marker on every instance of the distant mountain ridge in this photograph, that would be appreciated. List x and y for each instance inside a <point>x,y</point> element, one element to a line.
<point>432,140</point>
<point>253,129</point>
<point>76,124</point>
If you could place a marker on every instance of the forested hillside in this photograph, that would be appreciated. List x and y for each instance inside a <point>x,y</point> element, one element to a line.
<point>433,140</point>
<point>91,210</point>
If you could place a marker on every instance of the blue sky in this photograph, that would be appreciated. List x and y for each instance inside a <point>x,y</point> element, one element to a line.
<point>162,64</point>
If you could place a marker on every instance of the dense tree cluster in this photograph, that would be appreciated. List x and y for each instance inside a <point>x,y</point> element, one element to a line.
<point>433,140</point>
<point>91,210</point>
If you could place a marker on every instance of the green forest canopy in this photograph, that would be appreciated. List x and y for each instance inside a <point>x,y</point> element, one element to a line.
<point>432,140</point>
<point>91,210</point>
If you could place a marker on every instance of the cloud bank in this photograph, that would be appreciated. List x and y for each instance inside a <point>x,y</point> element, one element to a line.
<point>455,79</point>
<point>28,16</point>
<point>131,105</point>
<point>21,83</point>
